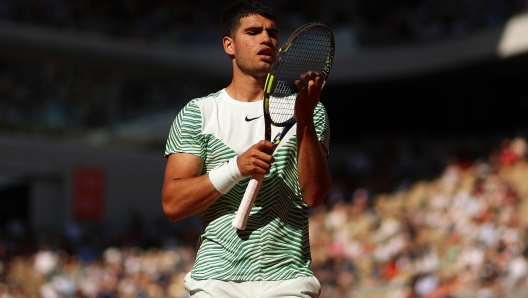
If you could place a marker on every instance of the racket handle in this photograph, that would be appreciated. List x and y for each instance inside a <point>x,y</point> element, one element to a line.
<point>247,202</point>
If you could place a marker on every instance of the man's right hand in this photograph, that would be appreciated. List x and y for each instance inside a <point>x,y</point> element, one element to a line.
<point>255,160</point>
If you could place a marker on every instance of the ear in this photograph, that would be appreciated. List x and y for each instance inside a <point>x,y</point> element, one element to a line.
<point>229,45</point>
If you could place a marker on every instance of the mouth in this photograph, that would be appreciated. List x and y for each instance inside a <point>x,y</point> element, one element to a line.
<point>266,54</point>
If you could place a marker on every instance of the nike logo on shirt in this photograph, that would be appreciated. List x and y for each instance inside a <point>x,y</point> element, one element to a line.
<point>251,119</point>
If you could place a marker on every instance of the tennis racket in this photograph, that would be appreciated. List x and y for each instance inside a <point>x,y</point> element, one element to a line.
<point>309,48</point>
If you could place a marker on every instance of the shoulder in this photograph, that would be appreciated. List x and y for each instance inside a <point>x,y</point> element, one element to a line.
<point>205,99</point>
<point>194,106</point>
<point>320,107</point>
<point>320,111</point>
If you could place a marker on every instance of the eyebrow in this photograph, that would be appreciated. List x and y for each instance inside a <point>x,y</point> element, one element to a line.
<point>253,28</point>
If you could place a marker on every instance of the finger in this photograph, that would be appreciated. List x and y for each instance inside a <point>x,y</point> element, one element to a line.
<point>320,82</point>
<point>262,165</point>
<point>262,150</point>
<point>311,86</point>
<point>264,156</point>
<point>309,75</point>
<point>255,162</point>
<point>263,145</point>
<point>256,165</point>
<point>311,94</point>
<point>314,74</point>
<point>316,84</point>
<point>299,84</point>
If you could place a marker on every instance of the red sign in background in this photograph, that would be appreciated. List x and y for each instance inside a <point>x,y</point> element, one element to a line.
<point>88,193</point>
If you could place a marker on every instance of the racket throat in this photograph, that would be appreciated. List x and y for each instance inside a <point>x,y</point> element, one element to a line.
<point>278,137</point>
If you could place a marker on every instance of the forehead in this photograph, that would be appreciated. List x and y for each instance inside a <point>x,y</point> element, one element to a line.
<point>256,20</point>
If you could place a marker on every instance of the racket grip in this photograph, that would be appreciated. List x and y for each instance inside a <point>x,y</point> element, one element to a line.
<point>247,202</point>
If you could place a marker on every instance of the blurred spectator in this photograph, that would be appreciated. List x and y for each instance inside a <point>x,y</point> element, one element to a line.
<point>45,260</point>
<point>50,96</point>
<point>432,19</point>
<point>195,22</point>
<point>460,234</point>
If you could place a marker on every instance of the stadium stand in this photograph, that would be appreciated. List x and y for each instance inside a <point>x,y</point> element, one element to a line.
<point>59,96</point>
<point>41,90</point>
<point>195,22</point>
<point>460,234</point>
<point>429,218</point>
<point>432,19</point>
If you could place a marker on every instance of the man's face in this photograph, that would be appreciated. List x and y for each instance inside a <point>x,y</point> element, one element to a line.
<point>255,45</point>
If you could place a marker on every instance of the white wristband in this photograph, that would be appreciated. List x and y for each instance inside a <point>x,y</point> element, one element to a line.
<point>226,176</point>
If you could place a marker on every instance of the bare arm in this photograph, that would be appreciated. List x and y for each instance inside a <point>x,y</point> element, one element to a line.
<point>314,176</point>
<point>185,192</point>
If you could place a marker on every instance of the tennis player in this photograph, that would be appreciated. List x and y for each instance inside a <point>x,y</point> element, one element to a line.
<point>214,146</point>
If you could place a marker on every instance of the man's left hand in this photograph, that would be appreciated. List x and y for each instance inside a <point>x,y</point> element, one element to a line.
<point>308,96</point>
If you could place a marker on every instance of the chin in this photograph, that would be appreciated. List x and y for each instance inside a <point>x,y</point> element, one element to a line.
<point>263,74</point>
<point>261,71</point>
<point>266,68</point>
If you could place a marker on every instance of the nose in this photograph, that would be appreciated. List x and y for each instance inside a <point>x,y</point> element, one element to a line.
<point>266,38</point>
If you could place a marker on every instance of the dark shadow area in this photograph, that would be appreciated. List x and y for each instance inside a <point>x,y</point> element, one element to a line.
<point>14,200</point>
<point>468,101</point>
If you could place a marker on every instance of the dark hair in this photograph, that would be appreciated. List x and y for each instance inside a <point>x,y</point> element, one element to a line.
<point>231,17</point>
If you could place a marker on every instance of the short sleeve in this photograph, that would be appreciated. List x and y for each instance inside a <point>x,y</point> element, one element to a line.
<point>322,125</point>
<point>185,134</point>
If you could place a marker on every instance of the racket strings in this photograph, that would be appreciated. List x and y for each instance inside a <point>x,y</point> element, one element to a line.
<point>310,51</point>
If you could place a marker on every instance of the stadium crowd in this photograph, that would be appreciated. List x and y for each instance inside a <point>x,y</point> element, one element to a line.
<point>195,22</point>
<point>57,96</point>
<point>433,19</point>
<point>461,234</point>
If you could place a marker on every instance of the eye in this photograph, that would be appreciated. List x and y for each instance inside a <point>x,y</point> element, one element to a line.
<point>273,34</point>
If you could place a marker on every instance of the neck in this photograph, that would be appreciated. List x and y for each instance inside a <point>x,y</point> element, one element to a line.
<point>246,88</point>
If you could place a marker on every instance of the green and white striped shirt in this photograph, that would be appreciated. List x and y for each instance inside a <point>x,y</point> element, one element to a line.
<point>275,244</point>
